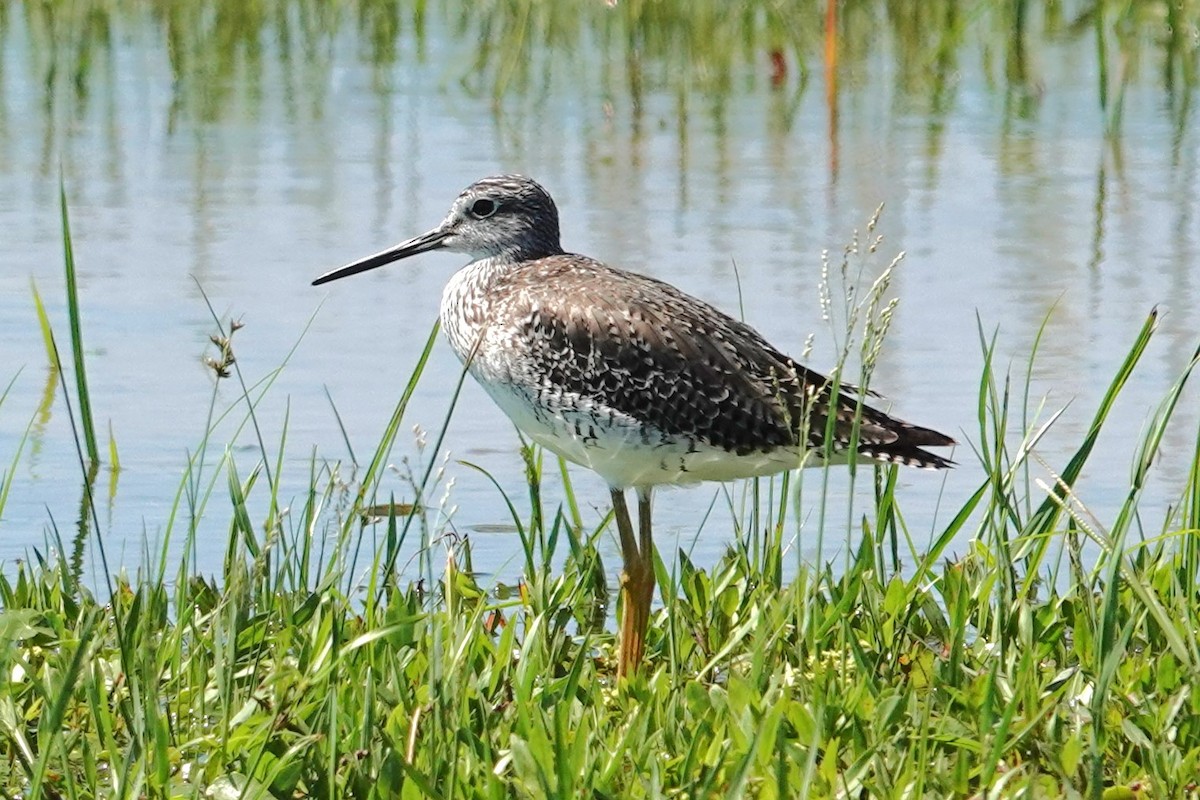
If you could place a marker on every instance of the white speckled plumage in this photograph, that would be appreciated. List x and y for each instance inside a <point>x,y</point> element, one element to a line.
<point>627,375</point>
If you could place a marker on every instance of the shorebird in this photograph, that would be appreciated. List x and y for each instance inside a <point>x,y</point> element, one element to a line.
<point>630,377</point>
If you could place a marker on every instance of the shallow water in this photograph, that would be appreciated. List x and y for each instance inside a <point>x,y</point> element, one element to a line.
<point>242,175</point>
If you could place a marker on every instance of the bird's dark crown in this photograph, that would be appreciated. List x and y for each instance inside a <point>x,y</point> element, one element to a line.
<point>506,216</point>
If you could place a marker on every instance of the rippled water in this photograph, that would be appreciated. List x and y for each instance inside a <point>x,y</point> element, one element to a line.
<point>242,182</point>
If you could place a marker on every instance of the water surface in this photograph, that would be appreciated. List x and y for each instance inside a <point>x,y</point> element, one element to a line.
<point>238,166</point>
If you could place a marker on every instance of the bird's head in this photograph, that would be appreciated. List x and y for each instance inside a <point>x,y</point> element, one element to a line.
<point>503,216</point>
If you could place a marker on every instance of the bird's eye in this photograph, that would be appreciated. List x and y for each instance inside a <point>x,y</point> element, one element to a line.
<point>483,208</point>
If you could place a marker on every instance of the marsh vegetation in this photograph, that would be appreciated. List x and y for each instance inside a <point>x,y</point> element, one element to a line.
<point>1023,643</point>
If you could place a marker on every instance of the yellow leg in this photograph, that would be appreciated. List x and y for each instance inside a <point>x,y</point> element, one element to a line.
<point>637,580</point>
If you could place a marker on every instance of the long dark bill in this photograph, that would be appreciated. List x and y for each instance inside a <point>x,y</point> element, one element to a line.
<point>433,240</point>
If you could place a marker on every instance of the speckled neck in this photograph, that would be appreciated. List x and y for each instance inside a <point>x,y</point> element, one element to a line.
<point>467,298</point>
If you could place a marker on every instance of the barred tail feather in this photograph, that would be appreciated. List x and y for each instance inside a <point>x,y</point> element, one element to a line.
<point>907,455</point>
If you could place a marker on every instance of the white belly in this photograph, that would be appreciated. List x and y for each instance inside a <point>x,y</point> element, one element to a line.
<point>615,446</point>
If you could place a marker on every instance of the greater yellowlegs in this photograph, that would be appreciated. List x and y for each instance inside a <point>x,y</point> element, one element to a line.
<point>629,376</point>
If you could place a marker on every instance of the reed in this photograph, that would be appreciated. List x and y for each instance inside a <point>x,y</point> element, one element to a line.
<point>515,50</point>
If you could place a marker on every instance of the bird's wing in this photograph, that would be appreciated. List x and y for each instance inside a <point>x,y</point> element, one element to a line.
<point>677,364</point>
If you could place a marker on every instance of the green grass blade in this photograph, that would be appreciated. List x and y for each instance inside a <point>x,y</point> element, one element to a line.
<point>43,320</point>
<point>1048,512</point>
<point>81,388</point>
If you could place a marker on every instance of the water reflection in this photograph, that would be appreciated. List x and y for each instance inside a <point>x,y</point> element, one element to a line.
<point>1033,171</point>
